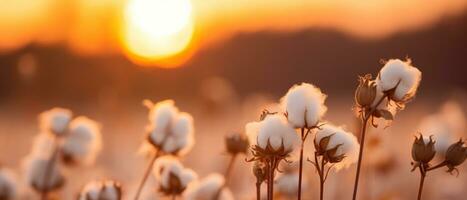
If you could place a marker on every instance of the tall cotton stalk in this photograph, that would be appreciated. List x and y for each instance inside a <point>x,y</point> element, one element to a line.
<point>169,132</point>
<point>334,148</point>
<point>272,140</point>
<point>396,84</point>
<point>304,107</point>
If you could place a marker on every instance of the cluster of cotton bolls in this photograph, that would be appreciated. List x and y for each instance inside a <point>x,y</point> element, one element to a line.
<point>396,84</point>
<point>277,135</point>
<point>170,136</point>
<point>62,141</point>
<point>276,141</point>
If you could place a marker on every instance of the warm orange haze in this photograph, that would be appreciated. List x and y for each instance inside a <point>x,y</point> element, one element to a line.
<point>233,100</point>
<point>167,33</point>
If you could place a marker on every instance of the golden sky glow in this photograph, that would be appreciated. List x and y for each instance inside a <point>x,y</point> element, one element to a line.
<point>166,32</point>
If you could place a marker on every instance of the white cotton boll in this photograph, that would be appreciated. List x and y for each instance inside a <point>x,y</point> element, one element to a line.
<point>55,120</point>
<point>287,184</point>
<point>90,191</point>
<point>169,165</point>
<point>304,105</point>
<point>170,130</point>
<point>101,190</point>
<point>349,147</point>
<point>277,131</point>
<point>446,126</point>
<point>182,134</point>
<point>396,72</point>
<point>35,169</point>
<point>111,191</point>
<point>208,188</point>
<point>434,125</point>
<point>43,145</point>
<point>84,140</point>
<point>162,113</point>
<point>8,184</point>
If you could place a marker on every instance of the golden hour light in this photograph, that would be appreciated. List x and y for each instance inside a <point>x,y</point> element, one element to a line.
<point>157,32</point>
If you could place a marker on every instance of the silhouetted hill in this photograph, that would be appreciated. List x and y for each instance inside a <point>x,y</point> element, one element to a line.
<point>261,61</point>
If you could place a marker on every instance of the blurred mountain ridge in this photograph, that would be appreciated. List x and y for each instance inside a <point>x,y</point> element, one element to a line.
<point>265,61</point>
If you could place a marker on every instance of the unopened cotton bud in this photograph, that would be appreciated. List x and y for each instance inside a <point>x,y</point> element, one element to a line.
<point>304,105</point>
<point>7,184</point>
<point>236,143</point>
<point>366,91</point>
<point>456,154</point>
<point>423,149</point>
<point>101,190</point>
<point>55,120</point>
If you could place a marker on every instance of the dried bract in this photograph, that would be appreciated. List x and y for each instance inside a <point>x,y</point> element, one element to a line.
<point>423,149</point>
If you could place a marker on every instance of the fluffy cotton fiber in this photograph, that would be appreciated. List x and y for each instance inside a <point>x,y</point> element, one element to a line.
<point>84,140</point>
<point>349,147</point>
<point>304,105</point>
<point>399,75</point>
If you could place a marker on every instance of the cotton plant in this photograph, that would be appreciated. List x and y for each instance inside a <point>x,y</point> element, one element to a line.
<point>272,140</point>
<point>395,86</point>
<point>446,125</point>
<point>101,190</point>
<point>334,148</point>
<point>169,131</point>
<point>423,152</point>
<point>172,177</point>
<point>8,184</point>
<point>62,141</point>
<point>210,187</point>
<point>304,107</point>
<point>235,144</point>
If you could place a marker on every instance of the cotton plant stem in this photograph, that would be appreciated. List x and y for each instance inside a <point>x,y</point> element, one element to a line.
<point>360,156</point>
<point>365,117</point>
<point>442,164</point>
<point>227,175</point>
<point>320,169</point>
<point>269,180</point>
<point>146,175</point>
<point>273,164</point>
<point>422,180</point>
<point>299,195</point>
<point>258,191</point>
<point>228,172</point>
<point>49,168</point>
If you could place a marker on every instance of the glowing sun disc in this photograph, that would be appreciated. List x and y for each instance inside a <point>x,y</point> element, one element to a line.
<point>157,29</point>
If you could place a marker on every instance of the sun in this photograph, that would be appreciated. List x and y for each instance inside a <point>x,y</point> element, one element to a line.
<point>157,30</point>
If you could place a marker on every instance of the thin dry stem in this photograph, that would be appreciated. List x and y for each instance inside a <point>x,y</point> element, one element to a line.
<point>146,174</point>
<point>422,180</point>
<point>49,168</point>
<point>258,190</point>
<point>365,117</point>
<point>299,195</point>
